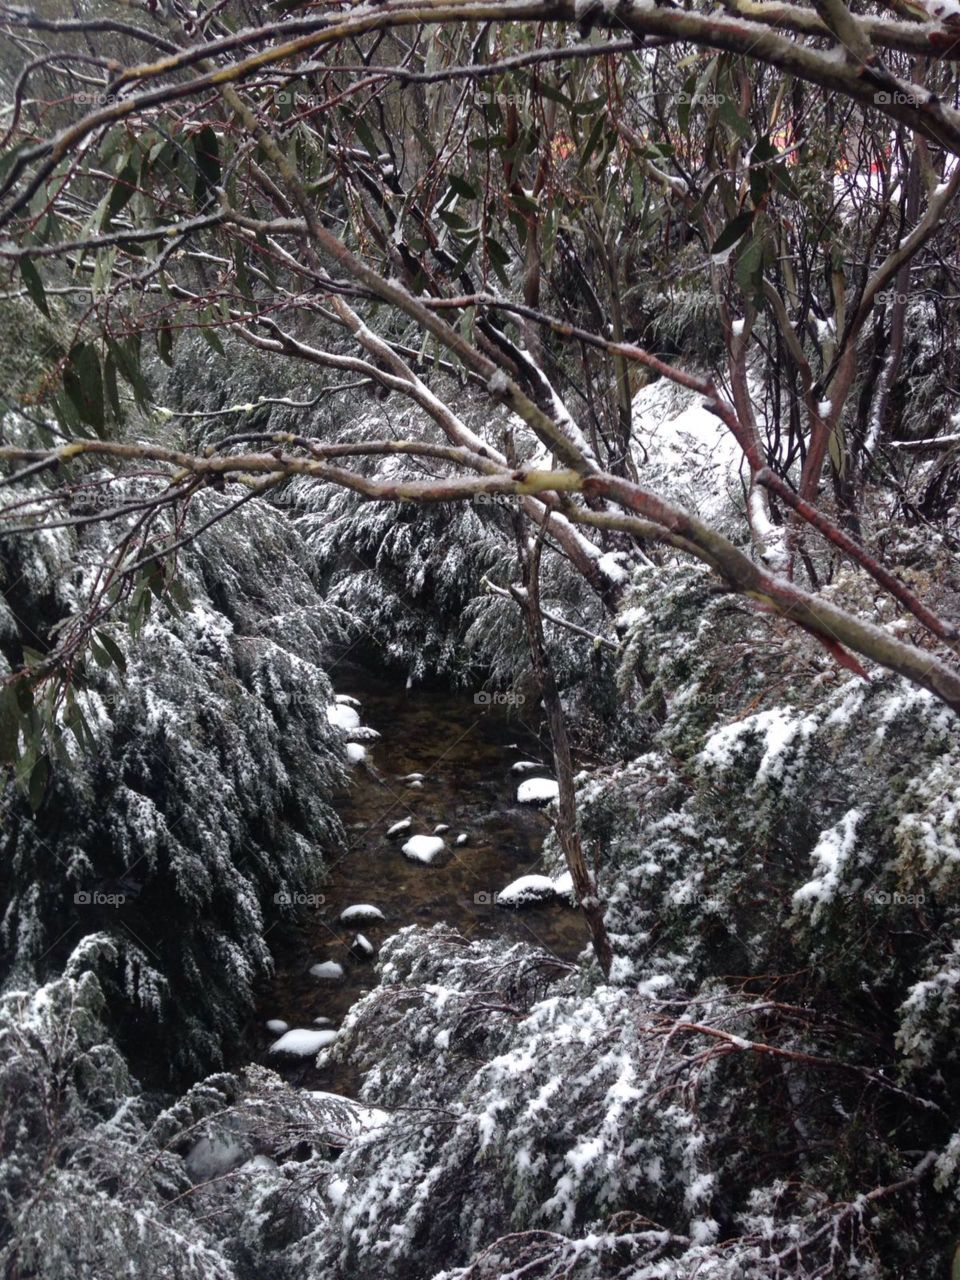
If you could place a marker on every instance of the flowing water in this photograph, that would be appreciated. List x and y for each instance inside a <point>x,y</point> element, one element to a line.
<point>464,750</point>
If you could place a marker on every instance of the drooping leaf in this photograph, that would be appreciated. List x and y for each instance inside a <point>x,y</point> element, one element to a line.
<point>83,383</point>
<point>749,271</point>
<point>113,650</point>
<point>735,230</point>
<point>127,357</point>
<point>33,285</point>
<point>124,185</point>
<point>206,154</point>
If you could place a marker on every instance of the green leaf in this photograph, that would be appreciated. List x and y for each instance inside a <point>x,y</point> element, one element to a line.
<point>735,230</point>
<point>590,106</point>
<point>731,117</point>
<point>749,272</point>
<point>365,134</point>
<point>554,95</point>
<point>685,103</point>
<point>113,650</point>
<point>124,185</point>
<point>127,357</point>
<point>178,593</point>
<point>759,183</point>
<point>206,154</point>
<point>37,787</point>
<point>209,332</point>
<point>165,346</point>
<point>462,188</point>
<point>453,220</point>
<point>110,384</point>
<point>33,285</point>
<point>595,135</point>
<point>83,383</point>
<point>498,256</point>
<point>101,657</point>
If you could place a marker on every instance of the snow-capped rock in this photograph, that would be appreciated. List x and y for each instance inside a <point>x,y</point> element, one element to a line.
<point>362,946</point>
<point>328,970</point>
<point>399,827</point>
<point>525,766</point>
<point>440,828</point>
<point>462,838</point>
<point>276,1026</point>
<point>356,753</point>
<point>537,791</point>
<point>302,1041</point>
<point>342,716</point>
<point>423,848</point>
<point>527,889</point>
<point>359,912</point>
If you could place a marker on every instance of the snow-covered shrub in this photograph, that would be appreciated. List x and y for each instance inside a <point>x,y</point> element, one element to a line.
<point>90,1186</point>
<point>202,790</point>
<point>534,1127</point>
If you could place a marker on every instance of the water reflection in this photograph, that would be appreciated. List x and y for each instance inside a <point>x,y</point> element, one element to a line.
<point>464,752</point>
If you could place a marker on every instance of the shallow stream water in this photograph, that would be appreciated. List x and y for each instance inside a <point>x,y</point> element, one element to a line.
<point>464,750</point>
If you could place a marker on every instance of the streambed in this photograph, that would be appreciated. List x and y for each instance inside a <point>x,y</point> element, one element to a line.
<point>464,751</point>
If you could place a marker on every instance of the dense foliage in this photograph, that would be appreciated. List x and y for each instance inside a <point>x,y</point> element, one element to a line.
<point>598,353</point>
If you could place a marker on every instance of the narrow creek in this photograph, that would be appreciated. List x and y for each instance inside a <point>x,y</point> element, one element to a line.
<point>465,752</point>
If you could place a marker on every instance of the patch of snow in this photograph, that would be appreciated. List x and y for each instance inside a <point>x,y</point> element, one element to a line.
<point>462,838</point>
<point>524,766</point>
<point>423,848</point>
<point>328,970</point>
<point>738,327</point>
<point>302,1042</point>
<point>537,791</point>
<point>440,828</point>
<point>352,1117</point>
<point>527,889</point>
<point>345,700</point>
<point>563,885</point>
<point>360,911</point>
<point>611,568</point>
<point>363,944</point>
<point>356,753</point>
<point>214,1155</point>
<point>830,857</point>
<point>277,1026</point>
<point>403,825</point>
<point>342,716</point>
